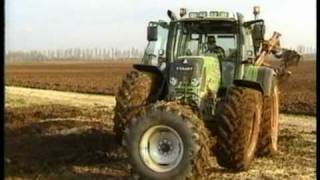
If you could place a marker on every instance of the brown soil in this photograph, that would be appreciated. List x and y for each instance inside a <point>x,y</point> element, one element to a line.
<point>65,141</point>
<point>297,94</point>
<point>99,78</point>
<point>60,142</point>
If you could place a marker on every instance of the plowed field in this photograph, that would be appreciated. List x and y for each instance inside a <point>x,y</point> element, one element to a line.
<point>298,94</point>
<point>47,137</point>
<point>98,78</point>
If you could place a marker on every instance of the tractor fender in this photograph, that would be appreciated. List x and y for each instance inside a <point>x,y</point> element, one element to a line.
<point>264,81</point>
<point>248,84</point>
<point>160,93</point>
<point>267,78</point>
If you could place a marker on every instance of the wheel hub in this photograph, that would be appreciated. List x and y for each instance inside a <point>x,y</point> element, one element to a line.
<point>161,148</point>
<point>165,147</point>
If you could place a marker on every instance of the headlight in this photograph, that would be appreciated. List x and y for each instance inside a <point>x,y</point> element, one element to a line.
<point>203,14</point>
<point>214,13</point>
<point>195,82</point>
<point>173,81</point>
<point>224,14</point>
<point>193,14</point>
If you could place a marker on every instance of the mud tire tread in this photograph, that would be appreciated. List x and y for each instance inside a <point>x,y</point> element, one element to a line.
<point>201,155</point>
<point>136,91</point>
<point>233,126</point>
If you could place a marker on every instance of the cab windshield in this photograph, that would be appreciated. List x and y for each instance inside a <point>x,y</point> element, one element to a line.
<point>194,38</point>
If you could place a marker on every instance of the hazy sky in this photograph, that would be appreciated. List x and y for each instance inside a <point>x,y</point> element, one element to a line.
<point>54,24</point>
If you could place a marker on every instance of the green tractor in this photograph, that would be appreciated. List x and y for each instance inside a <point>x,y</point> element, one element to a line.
<point>202,90</point>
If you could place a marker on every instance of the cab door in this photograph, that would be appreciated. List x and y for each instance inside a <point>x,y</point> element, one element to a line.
<point>154,53</point>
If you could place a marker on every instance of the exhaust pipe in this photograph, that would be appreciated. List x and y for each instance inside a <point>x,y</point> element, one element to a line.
<point>172,16</point>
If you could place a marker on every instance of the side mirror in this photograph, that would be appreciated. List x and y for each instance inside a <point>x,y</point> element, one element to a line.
<point>258,32</point>
<point>152,33</point>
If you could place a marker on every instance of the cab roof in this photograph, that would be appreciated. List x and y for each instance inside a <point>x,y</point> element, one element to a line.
<point>208,19</point>
<point>211,16</point>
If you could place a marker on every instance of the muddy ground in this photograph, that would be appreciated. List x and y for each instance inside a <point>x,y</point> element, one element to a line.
<point>298,94</point>
<point>74,140</point>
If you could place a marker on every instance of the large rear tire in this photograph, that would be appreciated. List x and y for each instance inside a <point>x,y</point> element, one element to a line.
<point>268,140</point>
<point>168,141</point>
<point>238,124</point>
<point>136,91</point>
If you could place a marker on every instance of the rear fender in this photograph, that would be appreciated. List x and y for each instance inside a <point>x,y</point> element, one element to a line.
<point>249,84</point>
<point>260,78</point>
<point>160,93</point>
<point>267,79</point>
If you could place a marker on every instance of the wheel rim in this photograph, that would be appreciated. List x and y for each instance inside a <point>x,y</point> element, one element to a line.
<point>253,133</point>
<point>161,148</point>
<point>275,118</point>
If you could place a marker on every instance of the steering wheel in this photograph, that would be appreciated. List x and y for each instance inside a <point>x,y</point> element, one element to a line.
<point>151,55</point>
<point>217,50</point>
<point>188,52</point>
<point>220,51</point>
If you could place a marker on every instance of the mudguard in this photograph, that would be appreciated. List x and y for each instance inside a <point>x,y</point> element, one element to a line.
<point>248,84</point>
<point>260,78</point>
<point>160,93</point>
<point>266,77</point>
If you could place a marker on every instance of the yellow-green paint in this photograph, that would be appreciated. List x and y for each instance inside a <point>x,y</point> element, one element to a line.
<point>211,68</point>
<point>250,72</point>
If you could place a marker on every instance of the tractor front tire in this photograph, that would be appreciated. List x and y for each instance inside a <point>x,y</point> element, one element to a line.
<point>136,90</point>
<point>238,123</point>
<point>268,140</point>
<point>168,141</point>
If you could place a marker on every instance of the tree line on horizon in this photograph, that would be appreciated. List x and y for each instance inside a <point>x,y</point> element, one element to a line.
<point>95,54</point>
<point>73,54</point>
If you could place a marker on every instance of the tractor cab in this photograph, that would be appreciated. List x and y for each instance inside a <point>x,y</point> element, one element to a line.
<point>195,49</point>
<point>192,36</point>
<point>213,38</point>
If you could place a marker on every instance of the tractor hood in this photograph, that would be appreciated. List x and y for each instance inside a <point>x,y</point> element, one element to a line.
<point>187,70</point>
<point>191,77</point>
